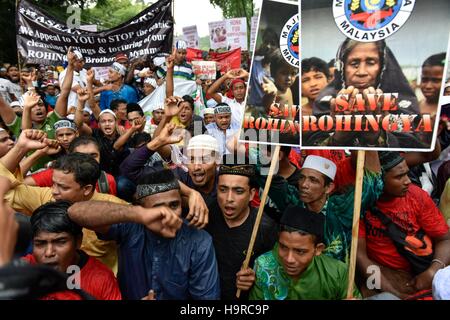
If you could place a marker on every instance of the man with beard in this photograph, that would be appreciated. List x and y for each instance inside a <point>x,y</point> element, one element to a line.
<point>223,129</point>
<point>56,243</point>
<point>404,234</point>
<point>231,221</point>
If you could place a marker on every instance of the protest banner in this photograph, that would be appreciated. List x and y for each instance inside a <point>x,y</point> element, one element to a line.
<point>204,70</point>
<point>43,39</point>
<point>254,29</point>
<point>218,34</point>
<point>226,60</point>
<point>237,33</point>
<point>391,36</point>
<point>191,36</point>
<point>270,104</point>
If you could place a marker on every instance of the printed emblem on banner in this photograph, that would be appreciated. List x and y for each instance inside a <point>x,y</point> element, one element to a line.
<point>371,20</point>
<point>290,41</point>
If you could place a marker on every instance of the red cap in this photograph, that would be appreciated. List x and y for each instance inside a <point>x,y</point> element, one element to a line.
<point>120,56</point>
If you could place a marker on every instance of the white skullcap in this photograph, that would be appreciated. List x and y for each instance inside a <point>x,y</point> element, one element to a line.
<point>211,103</point>
<point>158,61</point>
<point>208,111</point>
<point>323,165</point>
<point>78,54</point>
<point>15,104</point>
<point>151,81</point>
<point>441,284</point>
<point>119,68</point>
<point>181,44</point>
<point>70,117</point>
<point>1,129</point>
<point>107,111</point>
<point>203,141</point>
<point>157,107</point>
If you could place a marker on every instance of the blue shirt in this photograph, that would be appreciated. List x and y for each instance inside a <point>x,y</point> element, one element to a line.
<point>127,93</point>
<point>181,268</point>
<point>51,100</point>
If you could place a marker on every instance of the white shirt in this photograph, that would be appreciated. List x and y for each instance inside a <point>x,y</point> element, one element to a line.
<point>223,138</point>
<point>7,87</point>
<point>79,79</point>
<point>237,110</point>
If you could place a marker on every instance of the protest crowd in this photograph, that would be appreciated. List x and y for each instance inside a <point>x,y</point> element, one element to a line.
<point>138,181</point>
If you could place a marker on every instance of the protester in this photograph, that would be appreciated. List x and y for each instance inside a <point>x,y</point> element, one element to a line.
<point>176,261</point>
<point>296,269</point>
<point>231,222</point>
<point>404,233</point>
<point>56,243</point>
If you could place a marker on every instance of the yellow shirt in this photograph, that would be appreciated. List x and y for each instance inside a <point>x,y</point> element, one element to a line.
<point>444,204</point>
<point>25,199</point>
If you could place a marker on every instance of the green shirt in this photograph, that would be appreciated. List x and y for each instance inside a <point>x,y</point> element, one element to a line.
<point>46,126</point>
<point>338,210</point>
<point>324,279</point>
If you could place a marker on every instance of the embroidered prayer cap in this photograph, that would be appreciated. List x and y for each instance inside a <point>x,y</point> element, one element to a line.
<point>305,220</point>
<point>181,45</point>
<point>208,111</point>
<point>150,81</point>
<point>119,68</point>
<point>441,284</point>
<point>156,182</point>
<point>389,159</point>
<point>203,141</point>
<point>321,164</point>
<point>107,111</point>
<point>222,108</point>
<point>246,170</point>
<point>65,123</point>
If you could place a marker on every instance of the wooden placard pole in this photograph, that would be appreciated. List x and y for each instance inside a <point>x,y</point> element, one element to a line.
<point>260,210</point>
<point>355,228</point>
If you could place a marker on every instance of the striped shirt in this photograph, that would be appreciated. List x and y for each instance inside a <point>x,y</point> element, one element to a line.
<point>183,71</point>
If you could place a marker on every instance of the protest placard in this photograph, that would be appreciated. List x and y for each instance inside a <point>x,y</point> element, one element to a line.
<point>237,33</point>
<point>218,34</point>
<point>373,45</point>
<point>191,36</point>
<point>272,114</point>
<point>204,70</point>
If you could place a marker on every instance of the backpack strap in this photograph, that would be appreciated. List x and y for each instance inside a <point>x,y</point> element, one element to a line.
<point>103,183</point>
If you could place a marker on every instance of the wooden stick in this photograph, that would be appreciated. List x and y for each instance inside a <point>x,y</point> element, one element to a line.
<point>356,214</point>
<point>260,210</point>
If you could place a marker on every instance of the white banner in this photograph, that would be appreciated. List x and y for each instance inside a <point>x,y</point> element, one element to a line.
<point>237,33</point>
<point>191,36</point>
<point>218,34</point>
<point>181,87</point>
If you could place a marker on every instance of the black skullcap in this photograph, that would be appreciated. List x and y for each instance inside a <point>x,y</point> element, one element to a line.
<point>303,219</point>
<point>389,159</point>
